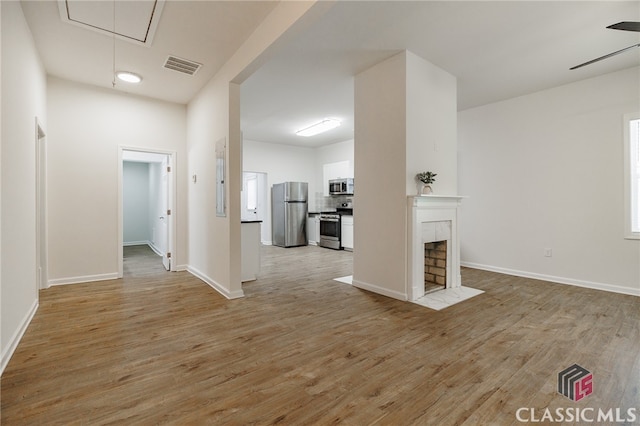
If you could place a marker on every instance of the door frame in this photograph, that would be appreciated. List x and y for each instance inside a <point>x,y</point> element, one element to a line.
<point>42,272</point>
<point>171,222</point>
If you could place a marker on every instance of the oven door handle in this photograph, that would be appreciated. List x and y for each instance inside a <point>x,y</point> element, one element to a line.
<point>329,220</point>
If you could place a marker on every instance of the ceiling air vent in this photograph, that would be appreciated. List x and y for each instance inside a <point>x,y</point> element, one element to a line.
<point>184,66</point>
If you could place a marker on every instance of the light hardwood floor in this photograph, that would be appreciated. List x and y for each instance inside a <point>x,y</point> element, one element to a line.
<point>164,348</point>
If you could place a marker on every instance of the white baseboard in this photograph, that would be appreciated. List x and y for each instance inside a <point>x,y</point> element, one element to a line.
<point>380,290</point>
<point>155,249</point>
<point>267,243</point>
<point>180,268</point>
<point>7,353</point>
<point>84,279</point>
<point>216,286</point>
<point>559,280</point>
<point>136,243</point>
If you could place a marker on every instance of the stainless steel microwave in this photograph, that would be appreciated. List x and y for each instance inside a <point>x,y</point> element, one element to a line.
<point>341,186</point>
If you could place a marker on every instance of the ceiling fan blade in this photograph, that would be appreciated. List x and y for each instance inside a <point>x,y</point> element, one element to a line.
<point>626,26</point>
<point>605,56</point>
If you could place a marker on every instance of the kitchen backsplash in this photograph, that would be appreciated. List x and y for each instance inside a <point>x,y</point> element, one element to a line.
<point>324,203</point>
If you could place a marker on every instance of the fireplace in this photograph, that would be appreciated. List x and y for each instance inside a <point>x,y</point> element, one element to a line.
<point>434,252</point>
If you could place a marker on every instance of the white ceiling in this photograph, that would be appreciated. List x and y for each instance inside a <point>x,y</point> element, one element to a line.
<point>497,50</point>
<point>207,32</point>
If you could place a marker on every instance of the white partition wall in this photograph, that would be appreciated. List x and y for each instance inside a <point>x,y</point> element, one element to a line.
<point>405,123</point>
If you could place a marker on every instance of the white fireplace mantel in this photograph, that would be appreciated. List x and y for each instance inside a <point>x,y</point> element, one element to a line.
<point>423,209</point>
<point>434,200</point>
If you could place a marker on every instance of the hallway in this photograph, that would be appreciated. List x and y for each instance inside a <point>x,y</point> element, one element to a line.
<point>139,261</point>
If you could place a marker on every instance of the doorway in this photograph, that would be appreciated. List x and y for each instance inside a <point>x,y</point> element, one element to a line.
<point>254,201</point>
<point>147,209</point>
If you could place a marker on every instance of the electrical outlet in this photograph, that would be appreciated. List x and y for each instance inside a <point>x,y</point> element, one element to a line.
<point>547,252</point>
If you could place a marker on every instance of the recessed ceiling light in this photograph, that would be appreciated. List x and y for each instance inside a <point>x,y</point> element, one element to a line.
<point>323,126</point>
<point>129,77</point>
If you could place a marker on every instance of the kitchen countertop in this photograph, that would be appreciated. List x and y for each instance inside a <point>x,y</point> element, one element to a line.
<point>343,212</point>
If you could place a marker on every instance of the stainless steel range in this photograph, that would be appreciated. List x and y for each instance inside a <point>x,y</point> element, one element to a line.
<point>331,225</point>
<point>330,230</point>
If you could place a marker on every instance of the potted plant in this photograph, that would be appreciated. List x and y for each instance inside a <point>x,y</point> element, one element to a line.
<point>426,179</point>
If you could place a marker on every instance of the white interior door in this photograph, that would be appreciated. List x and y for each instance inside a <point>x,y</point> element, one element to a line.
<point>163,225</point>
<point>254,196</point>
<point>249,199</point>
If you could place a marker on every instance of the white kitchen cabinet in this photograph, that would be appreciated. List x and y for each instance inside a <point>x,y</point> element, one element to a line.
<point>250,234</point>
<point>347,232</point>
<point>338,170</point>
<point>313,229</point>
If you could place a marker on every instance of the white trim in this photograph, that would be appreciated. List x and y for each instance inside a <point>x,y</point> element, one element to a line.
<point>42,221</point>
<point>558,280</point>
<point>215,285</point>
<point>136,243</point>
<point>380,290</point>
<point>422,214</point>
<point>147,41</point>
<point>84,279</point>
<point>155,249</point>
<point>17,336</point>
<point>180,268</point>
<point>627,118</point>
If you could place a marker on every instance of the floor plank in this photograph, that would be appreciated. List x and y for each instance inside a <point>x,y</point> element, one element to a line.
<point>162,347</point>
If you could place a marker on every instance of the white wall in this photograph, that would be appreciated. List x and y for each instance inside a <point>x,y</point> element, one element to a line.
<point>23,99</point>
<point>280,162</point>
<point>546,171</point>
<point>88,126</point>
<point>209,235</point>
<point>431,126</point>
<point>405,122</point>
<point>2,344</point>
<point>379,263</point>
<point>136,197</point>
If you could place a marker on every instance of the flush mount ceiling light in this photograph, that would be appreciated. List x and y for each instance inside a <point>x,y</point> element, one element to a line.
<point>129,77</point>
<point>323,126</point>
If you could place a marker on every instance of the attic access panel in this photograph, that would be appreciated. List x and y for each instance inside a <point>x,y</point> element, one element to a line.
<point>135,21</point>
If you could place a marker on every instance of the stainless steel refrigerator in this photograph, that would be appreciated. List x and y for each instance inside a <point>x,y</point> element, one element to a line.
<point>289,214</point>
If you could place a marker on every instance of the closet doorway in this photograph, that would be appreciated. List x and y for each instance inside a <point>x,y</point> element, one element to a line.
<point>146,214</point>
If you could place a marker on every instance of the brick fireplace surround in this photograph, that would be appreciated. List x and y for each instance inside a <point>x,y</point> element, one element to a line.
<point>435,265</point>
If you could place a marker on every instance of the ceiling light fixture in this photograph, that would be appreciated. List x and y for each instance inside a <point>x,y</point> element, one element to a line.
<point>129,77</point>
<point>323,126</point>
<point>126,76</point>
